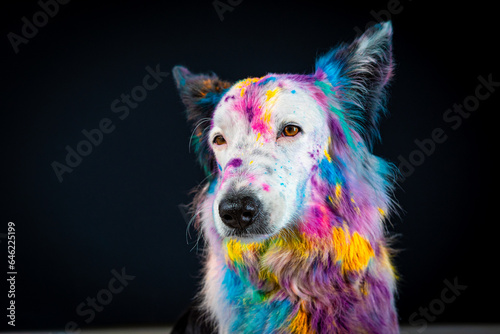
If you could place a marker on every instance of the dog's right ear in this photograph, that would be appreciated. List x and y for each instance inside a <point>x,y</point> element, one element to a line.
<point>200,93</point>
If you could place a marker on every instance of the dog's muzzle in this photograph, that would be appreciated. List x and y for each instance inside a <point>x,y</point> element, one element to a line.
<point>240,211</point>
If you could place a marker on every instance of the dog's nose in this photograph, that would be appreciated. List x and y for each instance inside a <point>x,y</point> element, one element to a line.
<point>239,211</point>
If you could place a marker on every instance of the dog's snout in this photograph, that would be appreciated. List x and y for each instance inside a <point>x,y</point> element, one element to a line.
<point>239,212</point>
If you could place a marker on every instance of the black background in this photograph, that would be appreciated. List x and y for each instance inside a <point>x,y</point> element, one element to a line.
<point>120,206</point>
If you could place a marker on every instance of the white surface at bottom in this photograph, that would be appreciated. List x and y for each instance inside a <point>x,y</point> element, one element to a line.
<point>434,329</point>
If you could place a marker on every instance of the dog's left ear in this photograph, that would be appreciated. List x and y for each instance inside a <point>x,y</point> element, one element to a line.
<point>361,71</point>
<point>200,93</point>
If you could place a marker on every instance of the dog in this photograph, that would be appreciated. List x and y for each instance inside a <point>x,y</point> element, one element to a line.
<point>294,207</point>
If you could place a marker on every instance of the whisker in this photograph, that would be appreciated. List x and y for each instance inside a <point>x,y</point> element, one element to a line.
<point>200,122</point>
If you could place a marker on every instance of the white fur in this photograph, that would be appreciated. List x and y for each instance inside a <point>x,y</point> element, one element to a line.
<point>289,158</point>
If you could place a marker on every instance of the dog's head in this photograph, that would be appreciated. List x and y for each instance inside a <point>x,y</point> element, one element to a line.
<point>283,149</point>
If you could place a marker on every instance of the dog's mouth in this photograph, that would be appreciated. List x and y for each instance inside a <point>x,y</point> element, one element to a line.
<point>249,235</point>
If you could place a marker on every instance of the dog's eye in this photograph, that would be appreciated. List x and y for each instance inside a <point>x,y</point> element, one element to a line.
<point>219,140</point>
<point>290,130</point>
